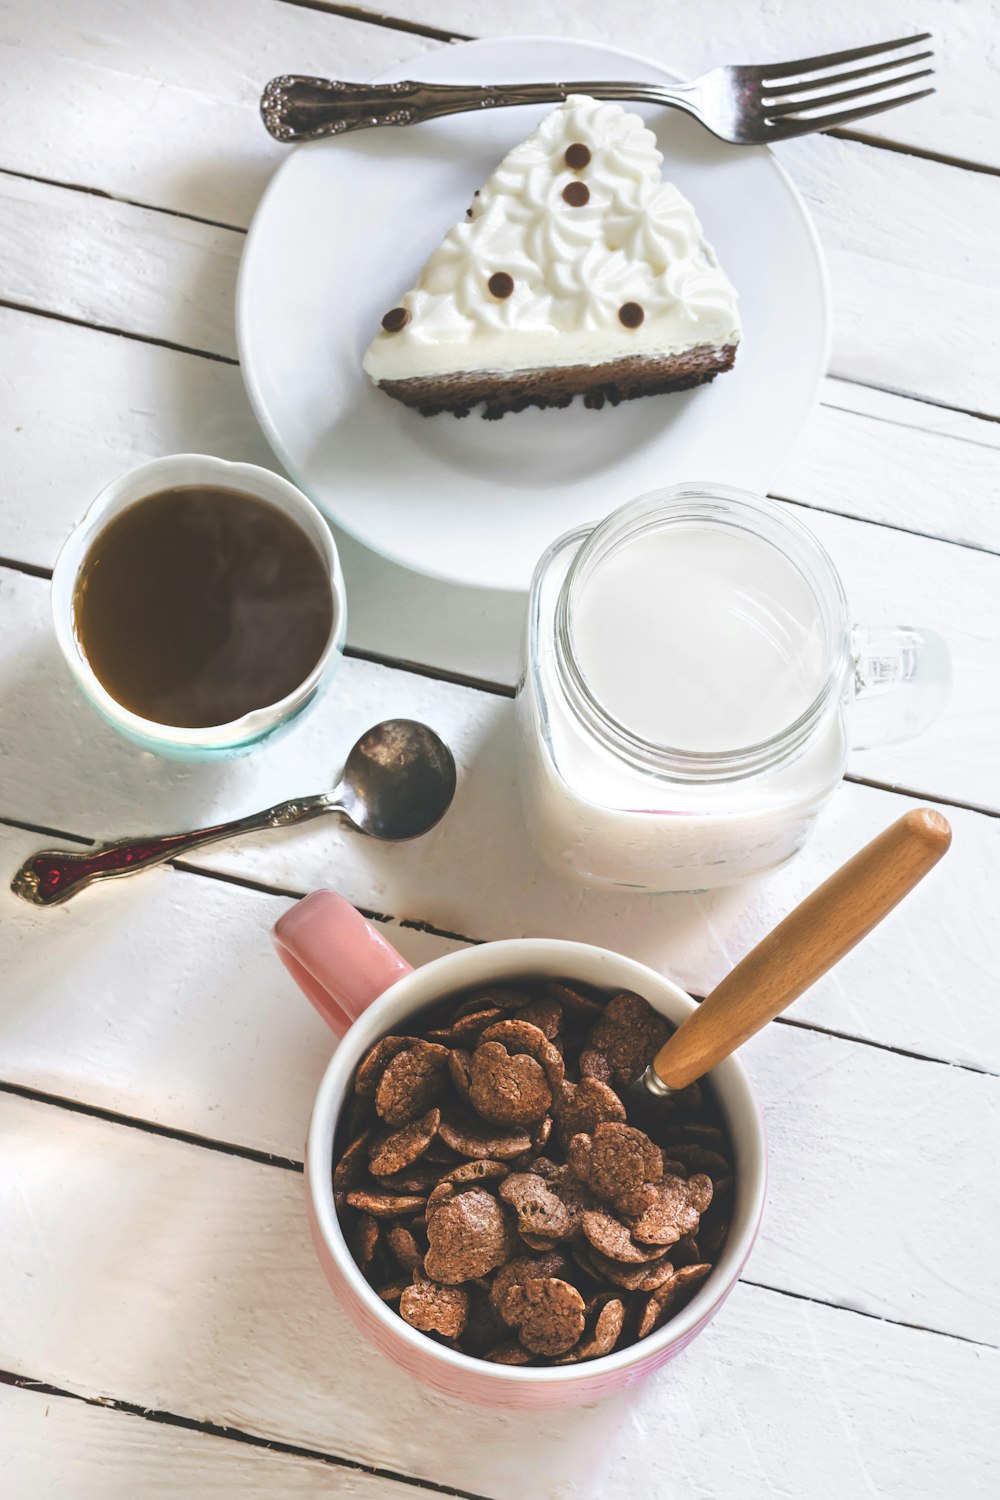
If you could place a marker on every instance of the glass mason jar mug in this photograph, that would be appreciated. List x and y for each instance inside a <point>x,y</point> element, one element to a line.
<point>689,676</point>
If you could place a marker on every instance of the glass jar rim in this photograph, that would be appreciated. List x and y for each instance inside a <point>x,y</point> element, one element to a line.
<point>721,505</point>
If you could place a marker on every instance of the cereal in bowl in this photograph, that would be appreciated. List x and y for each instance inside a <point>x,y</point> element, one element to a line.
<point>501,1188</point>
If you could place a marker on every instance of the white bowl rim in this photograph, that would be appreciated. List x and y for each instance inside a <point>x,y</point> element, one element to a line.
<point>729,1076</point>
<point>254,478</point>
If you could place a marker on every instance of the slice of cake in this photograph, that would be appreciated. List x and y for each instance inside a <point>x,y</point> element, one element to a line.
<point>577,271</point>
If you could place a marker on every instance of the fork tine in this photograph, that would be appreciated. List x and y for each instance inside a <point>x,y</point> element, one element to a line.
<point>829,78</point>
<point>784,130</point>
<point>835,59</point>
<point>797,106</point>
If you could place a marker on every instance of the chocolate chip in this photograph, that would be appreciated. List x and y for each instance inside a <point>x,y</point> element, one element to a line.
<point>500,284</point>
<point>576,194</point>
<point>395,319</point>
<point>577,156</point>
<point>630,314</point>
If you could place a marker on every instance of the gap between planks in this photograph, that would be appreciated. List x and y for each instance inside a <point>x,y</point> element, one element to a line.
<point>120,333</point>
<point>367,17</point>
<point>415,924</point>
<point>288,1164</point>
<point>928,536</point>
<point>234,1435</point>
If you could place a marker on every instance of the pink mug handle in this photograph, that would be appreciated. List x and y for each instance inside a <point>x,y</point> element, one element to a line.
<point>336,957</point>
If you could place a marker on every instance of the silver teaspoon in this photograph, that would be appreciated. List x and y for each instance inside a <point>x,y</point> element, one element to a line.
<point>399,780</point>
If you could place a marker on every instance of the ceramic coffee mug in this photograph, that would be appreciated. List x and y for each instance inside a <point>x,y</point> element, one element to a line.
<point>176,471</point>
<point>363,989</point>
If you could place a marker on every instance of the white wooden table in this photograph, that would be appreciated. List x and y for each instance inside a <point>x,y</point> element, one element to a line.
<point>164,1325</point>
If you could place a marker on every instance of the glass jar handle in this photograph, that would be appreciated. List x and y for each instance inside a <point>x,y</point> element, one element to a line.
<point>902,681</point>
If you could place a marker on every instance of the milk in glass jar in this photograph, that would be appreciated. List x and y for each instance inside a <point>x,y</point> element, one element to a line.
<point>683,710</point>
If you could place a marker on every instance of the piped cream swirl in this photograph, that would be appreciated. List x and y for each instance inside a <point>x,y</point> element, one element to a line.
<point>636,239</point>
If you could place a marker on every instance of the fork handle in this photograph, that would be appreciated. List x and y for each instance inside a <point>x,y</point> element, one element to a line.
<point>297,108</point>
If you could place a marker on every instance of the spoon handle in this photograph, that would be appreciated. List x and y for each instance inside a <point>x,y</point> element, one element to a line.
<point>809,941</point>
<point>54,875</point>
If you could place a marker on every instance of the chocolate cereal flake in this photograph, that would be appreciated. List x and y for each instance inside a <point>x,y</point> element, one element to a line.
<point>470,1136</point>
<point>673,1212</point>
<point>468,1236</point>
<point>505,1089</point>
<point>620,1164</point>
<point>582,1106</point>
<point>629,1034</point>
<point>374,1062</point>
<point>435,1309</point>
<point>386,1205</point>
<point>401,1148</point>
<point>547,1313</point>
<point>412,1081</point>
<point>611,1237</point>
<point>540,1211</point>
<point>521,1269</point>
<point>606,1333</point>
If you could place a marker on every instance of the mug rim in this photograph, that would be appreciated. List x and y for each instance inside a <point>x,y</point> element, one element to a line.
<point>369,1026</point>
<point>254,479</point>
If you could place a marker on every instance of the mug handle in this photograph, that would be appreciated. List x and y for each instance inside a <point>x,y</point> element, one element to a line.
<point>902,681</point>
<point>336,957</point>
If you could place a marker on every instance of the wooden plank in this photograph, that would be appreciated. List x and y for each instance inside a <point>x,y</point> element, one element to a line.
<point>53,1445</point>
<point>892,578</point>
<point>923,468</point>
<point>135,1005</point>
<point>184,1280</point>
<point>943,941</point>
<point>960,121</point>
<point>101,786</point>
<point>160,103</point>
<point>202,95</point>
<point>910,247</point>
<point>905,238</point>
<point>84,404</point>
<point>865,453</point>
<point>132,269</point>
<point>888,576</point>
<point>175,1028</point>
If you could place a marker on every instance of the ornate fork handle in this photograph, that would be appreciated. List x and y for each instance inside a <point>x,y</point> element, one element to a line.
<point>53,875</point>
<point>297,108</point>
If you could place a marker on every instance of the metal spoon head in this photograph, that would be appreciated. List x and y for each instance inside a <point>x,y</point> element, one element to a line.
<point>399,780</point>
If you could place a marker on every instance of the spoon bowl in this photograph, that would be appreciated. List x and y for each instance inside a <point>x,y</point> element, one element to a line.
<point>398,782</point>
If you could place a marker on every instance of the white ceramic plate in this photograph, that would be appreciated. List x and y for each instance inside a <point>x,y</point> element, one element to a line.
<point>343,230</point>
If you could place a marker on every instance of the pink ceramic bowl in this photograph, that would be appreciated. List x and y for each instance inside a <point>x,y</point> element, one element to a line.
<point>364,989</point>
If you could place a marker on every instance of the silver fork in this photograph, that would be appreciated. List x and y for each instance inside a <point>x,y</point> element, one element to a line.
<point>749,106</point>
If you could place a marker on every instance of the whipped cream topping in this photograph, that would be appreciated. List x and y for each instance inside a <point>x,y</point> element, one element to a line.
<point>574,266</point>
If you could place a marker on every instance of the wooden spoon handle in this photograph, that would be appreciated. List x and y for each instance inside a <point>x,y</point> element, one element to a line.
<point>810,940</point>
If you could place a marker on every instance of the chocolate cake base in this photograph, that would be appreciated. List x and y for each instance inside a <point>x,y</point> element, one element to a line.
<point>615,380</point>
